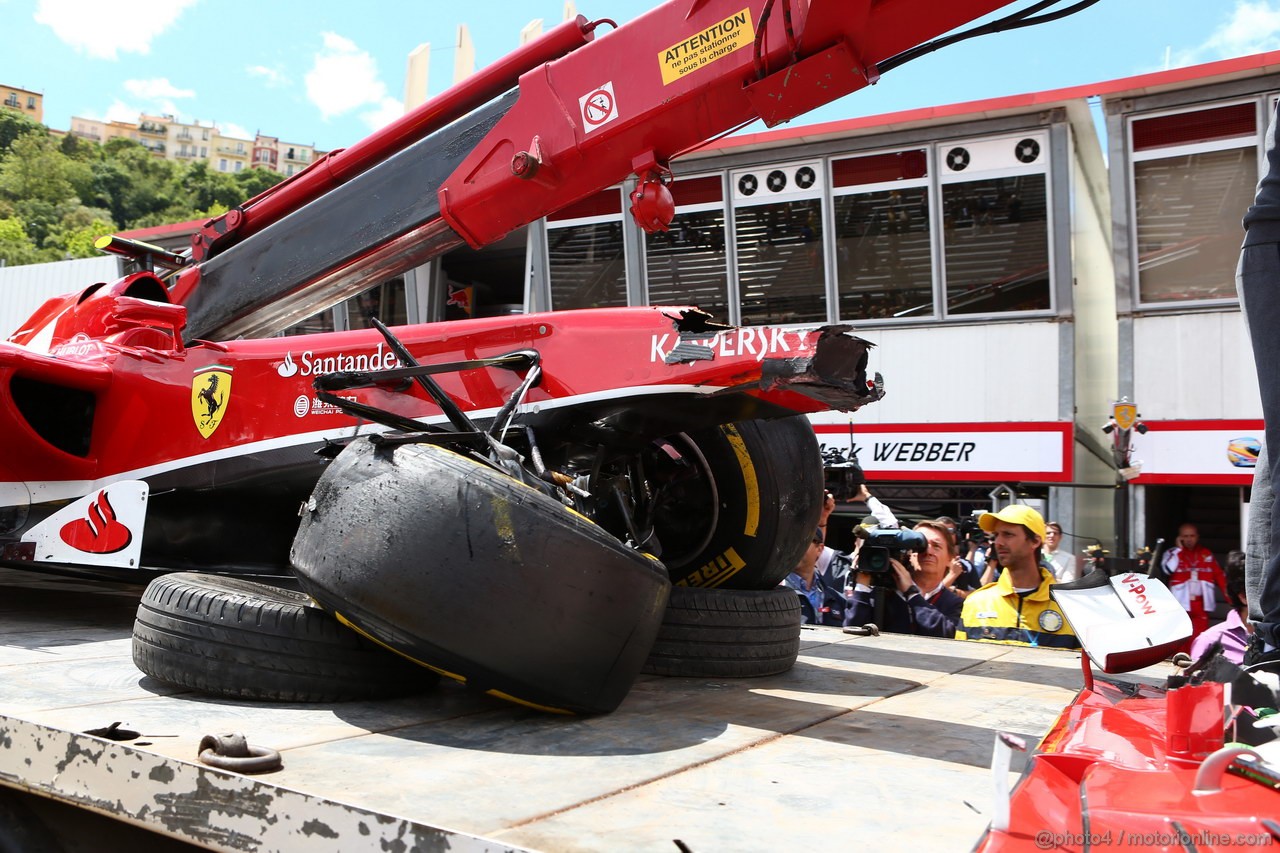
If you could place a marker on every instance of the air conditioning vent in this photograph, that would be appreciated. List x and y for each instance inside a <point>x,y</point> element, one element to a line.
<point>958,159</point>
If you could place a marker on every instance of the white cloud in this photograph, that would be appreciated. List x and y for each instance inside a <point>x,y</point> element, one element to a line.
<point>272,76</point>
<point>234,131</point>
<point>344,78</point>
<point>157,96</point>
<point>156,88</point>
<point>104,32</point>
<point>118,111</point>
<point>1252,27</point>
<point>387,111</point>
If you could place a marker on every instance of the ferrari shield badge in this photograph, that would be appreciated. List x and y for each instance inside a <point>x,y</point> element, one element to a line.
<point>210,391</point>
<point>1125,415</point>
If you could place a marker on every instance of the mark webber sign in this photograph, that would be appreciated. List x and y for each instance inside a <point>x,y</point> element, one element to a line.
<point>999,451</point>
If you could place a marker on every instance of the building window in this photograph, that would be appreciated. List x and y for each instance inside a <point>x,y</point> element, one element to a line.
<point>31,102</point>
<point>777,220</point>
<point>239,166</point>
<point>1194,175</point>
<point>995,231</point>
<point>585,254</point>
<point>316,324</point>
<point>204,150</point>
<point>386,302</point>
<point>686,265</point>
<point>222,164</point>
<point>884,259</point>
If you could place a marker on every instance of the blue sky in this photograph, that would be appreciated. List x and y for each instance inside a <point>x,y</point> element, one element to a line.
<point>320,72</point>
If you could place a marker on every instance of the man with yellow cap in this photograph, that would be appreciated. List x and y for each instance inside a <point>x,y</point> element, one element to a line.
<point>1016,609</point>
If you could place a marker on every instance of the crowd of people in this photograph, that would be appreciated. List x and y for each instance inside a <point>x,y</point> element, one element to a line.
<point>997,591</point>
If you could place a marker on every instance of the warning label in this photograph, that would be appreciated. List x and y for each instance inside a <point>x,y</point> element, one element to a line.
<point>701,49</point>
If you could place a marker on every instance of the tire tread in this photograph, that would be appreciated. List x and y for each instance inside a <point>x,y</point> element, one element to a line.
<point>724,633</point>
<point>246,640</point>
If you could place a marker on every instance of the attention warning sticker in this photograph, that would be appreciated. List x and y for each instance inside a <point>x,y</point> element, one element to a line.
<point>701,49</point>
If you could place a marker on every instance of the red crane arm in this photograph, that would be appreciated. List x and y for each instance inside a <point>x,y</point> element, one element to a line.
<point>668,82</point>
<point>581,112</point>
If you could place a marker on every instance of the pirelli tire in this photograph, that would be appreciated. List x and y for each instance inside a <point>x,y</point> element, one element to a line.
<point>240,639</point>
<point>480,577</point>
<point>727,633</point>
<point>766,481</point>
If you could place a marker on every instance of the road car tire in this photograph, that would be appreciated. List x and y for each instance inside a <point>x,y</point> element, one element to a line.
<point>764,492</point>
<point>480,577</point>
<point>727,633</point>
<point>246,640</point>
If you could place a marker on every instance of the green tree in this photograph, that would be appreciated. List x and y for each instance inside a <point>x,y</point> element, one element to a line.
<point>147,190</point>
<point>14,125</point>
<point>35,169</point>
<point>76,148</point>
<point>75,236</point>
<point>108,184</point>
<point>16,247</point>
<point>204,188</point>
<point>62,194</point>
<point>254,181</point>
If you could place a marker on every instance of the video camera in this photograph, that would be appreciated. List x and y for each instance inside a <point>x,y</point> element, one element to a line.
<point>880,545</point>
<point>971,532</point>
<point>843,475</point>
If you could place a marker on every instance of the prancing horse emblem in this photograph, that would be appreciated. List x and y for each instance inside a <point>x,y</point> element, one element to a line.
<point>210,391</point>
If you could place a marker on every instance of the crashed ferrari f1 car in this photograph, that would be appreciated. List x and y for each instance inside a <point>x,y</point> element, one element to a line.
<point>560,456</point>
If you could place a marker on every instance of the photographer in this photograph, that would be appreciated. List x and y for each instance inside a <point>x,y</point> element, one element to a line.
<point>821,603</point>
<point>915,601</point>
<point>964,575</point>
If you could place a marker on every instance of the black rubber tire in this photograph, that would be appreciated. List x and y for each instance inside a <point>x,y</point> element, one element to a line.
<point>474,574</point>
<point>246,640</point>
<point>727,633</point>
<point>769,480</point>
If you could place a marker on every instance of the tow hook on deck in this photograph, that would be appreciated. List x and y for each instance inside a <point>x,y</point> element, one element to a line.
<point>232,752</point>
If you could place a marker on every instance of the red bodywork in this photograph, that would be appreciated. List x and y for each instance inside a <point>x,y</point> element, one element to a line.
<point>1120,769</point>
<point>143,381</point>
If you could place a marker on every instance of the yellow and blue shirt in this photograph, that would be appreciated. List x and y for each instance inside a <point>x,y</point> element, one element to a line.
<point>998,613</point>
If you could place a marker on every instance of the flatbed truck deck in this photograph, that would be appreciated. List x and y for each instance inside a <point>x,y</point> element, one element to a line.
<point>885,741</point>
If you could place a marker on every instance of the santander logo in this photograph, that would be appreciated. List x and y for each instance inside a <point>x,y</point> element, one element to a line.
<point>100,532</point>
<point>288,367</point>
<point>311,364</point>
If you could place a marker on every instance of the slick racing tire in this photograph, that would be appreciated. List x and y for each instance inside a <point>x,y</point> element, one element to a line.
<point>480,577</point>
<point>245,640</point>
<point>762,488</point>
<point>727,633</point>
